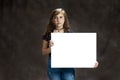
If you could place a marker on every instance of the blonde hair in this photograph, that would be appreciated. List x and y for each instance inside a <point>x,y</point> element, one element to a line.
<point>51,26</point>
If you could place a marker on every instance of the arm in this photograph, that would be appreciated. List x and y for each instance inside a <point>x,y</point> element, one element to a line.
<point>45,49</point>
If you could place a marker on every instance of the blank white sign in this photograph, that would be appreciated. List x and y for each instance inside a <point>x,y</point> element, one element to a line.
<point>73,50</point>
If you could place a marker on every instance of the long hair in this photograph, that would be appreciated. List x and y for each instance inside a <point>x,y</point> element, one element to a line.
<point>51,26</point>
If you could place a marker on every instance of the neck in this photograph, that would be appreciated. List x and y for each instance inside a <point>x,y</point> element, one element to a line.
<point>59,28</point>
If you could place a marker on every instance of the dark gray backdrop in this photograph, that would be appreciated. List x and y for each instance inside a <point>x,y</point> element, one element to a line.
<point>22,23</point>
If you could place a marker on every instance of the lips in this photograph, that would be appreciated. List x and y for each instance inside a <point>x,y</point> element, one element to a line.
<point>58,23</point>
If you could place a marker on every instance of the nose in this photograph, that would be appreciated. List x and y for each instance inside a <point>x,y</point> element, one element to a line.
<point>58,19</point>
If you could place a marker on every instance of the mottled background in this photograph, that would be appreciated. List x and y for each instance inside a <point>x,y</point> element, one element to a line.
<point>22,23</point>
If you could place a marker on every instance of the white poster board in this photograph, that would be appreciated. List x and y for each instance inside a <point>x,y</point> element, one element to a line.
<point>73,50</point>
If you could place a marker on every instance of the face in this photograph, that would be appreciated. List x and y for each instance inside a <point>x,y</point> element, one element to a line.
<point>59,20</point>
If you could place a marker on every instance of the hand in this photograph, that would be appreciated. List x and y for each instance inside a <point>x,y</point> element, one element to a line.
<point>51,43</point>
<point>96,64</point>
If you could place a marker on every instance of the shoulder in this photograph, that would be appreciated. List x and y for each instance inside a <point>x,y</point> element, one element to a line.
<point>70,31</point>
<point>46,36</point>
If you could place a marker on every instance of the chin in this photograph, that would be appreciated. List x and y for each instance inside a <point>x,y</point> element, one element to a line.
<point>59,26</point>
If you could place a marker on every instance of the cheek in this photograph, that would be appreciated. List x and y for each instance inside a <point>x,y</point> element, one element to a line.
<point>63,20</point>
<point>53,21</point>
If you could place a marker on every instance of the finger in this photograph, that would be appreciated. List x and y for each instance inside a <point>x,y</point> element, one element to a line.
<point>96,65</point>
<point>51,42</point>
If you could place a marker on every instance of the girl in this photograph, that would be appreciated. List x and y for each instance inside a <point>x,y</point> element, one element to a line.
<point>58,23</point>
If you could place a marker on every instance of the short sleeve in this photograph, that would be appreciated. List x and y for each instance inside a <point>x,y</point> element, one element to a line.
<point>46,36</point>
<point>70,31</point>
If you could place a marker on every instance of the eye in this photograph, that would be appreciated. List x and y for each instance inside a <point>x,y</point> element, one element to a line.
<point>55,17</point>
<point>61,16</point>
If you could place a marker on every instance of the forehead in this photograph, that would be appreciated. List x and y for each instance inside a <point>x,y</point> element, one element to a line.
<point>59,14</point>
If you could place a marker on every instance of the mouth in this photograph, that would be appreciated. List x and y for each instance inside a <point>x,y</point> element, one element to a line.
<point>58,23</point>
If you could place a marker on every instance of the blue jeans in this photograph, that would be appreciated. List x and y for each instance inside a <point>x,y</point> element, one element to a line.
<point>60,73</point>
